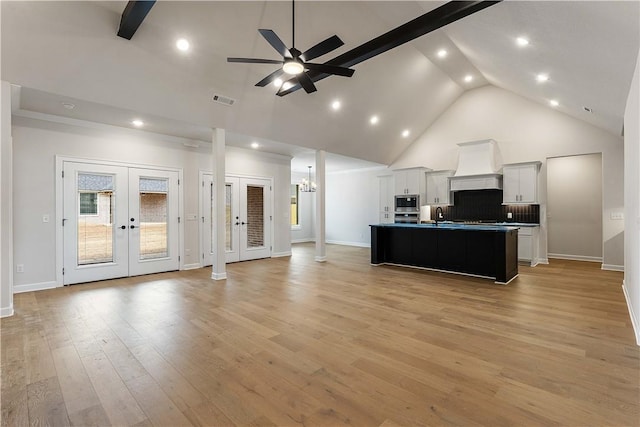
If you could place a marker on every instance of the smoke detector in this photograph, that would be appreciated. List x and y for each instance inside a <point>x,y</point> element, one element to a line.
<point>224,100</point>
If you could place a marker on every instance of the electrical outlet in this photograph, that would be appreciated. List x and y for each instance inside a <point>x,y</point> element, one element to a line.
<point>617,215</point>
<point>19,268</point>
<point>45,218</point>
<point>509,215</point>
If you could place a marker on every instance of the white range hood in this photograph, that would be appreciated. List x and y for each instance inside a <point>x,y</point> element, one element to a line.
<point>477,167</point>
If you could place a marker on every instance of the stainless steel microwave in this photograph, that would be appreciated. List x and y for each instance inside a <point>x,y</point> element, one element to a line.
<point>407,203</point>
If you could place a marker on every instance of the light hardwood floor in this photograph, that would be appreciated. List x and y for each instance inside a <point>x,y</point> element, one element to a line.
<point>292,342</point>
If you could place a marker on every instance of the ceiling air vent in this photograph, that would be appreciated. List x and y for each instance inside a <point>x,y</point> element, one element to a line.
<point>224,100</point>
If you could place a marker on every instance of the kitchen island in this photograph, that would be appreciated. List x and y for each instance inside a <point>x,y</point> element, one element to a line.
<point>489,251</point>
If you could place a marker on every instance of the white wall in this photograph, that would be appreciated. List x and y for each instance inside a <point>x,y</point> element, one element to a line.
<point>526,131</point>
<point>632,201</point>
<point>351,206</point>
<point>37,142</point>
<point>305,231</point>
<point>6,202</point>
<point>574,207</point>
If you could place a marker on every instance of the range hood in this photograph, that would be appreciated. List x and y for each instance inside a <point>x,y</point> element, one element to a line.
<point>477,167</point>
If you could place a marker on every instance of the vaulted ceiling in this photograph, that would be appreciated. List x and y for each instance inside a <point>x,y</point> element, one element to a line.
<point>69,52</point>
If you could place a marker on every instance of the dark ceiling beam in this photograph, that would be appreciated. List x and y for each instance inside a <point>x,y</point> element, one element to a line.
<point>424,24</point>
<point>132,16</point>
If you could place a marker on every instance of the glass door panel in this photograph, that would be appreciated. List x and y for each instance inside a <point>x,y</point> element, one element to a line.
<point>232,219</point>
<point>95,219</point>
<point>153,194</point>
<point>255,216</point>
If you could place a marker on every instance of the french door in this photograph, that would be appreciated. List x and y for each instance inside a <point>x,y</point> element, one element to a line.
<point>247,218</point>
<point>118,221</point>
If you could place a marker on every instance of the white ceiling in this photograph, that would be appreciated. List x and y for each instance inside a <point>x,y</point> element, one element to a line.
<point>71,49</point>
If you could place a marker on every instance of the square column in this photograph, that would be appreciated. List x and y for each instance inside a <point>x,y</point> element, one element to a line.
<point>321,250</point>
<point>219,271</point>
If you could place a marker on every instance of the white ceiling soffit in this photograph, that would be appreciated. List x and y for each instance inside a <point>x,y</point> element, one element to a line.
<point>71,48</point>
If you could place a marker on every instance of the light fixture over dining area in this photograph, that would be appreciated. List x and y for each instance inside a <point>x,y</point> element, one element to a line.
<point>308,186</point>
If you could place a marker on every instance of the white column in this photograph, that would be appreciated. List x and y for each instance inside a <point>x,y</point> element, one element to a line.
<point>321,250</point>
<point>6,202</point>
<point>219,271</point>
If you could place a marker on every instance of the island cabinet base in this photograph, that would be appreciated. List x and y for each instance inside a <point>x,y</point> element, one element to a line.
<point>491,254</point>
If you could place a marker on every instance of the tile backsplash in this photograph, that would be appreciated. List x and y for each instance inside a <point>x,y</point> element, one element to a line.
<point>486,205</point>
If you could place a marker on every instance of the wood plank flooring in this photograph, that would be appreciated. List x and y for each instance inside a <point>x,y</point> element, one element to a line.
<point>291,342</point>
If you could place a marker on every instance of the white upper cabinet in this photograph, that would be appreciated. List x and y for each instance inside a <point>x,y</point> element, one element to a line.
<point>386,199</point>
<point>520,183</point>
<point>438,188</point>
<point>410,181</point>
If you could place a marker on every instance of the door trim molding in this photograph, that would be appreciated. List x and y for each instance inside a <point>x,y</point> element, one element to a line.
<point>59,193</point>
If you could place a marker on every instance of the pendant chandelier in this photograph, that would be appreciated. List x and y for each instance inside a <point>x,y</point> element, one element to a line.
<point>308,186</point>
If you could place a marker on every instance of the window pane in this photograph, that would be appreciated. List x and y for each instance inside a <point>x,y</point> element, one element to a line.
<point>153,218</point>
<point>88,203</point>
<point>228,221</point>
<point>95,219</point>
<point>295,191</point>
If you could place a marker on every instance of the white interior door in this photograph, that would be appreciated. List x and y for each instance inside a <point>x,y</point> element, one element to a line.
<point>95,232</point>
<point>153,221</point>
<point>118,221</point>
<point>255,218</point>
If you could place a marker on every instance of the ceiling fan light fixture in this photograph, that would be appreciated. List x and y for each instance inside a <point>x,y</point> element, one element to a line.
<point>292,67</point>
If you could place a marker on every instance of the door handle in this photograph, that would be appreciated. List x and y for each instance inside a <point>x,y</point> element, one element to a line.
<point>124,227</point>
<point>237,223</point>
<point>133,226</point>
<point>243,223</point>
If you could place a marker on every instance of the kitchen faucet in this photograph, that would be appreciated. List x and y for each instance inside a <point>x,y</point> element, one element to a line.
<point>439,211</point>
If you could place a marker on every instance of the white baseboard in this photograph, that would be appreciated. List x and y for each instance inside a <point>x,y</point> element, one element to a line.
<point>358,244</point>
<point>543,261</point>
<point>576,257</point>
<point>612,267</point>
<point>309,240</point>
<point>18,289</point>
<point>193,266</point>
<point>219,276</point>
<point>634,320</point>
<point>321,258</point>
<point>280,254</point>
<point>6,311</point>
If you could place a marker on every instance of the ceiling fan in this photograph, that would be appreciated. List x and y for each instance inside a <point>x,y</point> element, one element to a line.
<point>294,63</point>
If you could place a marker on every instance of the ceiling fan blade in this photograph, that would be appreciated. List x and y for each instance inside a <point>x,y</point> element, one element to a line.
<point>306,83</point>
<point>270,78</point>
<point>322,48</point>
<point>255,61</point>
<point>330,69</point>
<point>275,42</point>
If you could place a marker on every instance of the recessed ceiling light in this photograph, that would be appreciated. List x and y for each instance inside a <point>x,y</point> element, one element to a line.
<point>521,41</point>
<point>541,78</point>
<point>405,133</point>
<point>468,78</point>
<point>374,120</point>
<point>182,44</point>
<point>442,53</point>
<point>255,145</point>
<point>68,105</point>
<point>336,105</point>
<point>554,103</point>
<point>137,123</point>
<point>277,82</point>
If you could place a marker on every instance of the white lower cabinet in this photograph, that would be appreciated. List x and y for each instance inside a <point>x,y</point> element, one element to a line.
<point>528,245</point>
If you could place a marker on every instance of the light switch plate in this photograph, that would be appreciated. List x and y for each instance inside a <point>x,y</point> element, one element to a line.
<point>45,218</point>
<point>617,215</point>
<point>509,215</point>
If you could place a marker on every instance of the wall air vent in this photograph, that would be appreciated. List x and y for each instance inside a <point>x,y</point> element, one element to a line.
<point>224,100</point>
